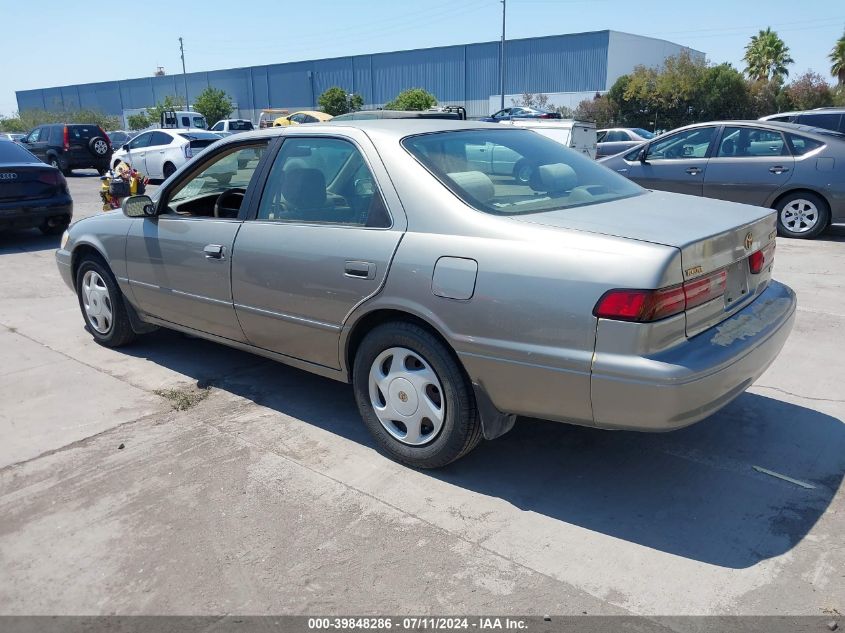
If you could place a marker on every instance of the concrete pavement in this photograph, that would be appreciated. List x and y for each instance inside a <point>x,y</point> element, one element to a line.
<point>267,496</point>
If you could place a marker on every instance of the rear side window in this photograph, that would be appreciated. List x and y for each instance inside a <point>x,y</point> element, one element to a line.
<point>161,138</point>
<point>322,181</point>
<point>13,153</point>
<point>56,133</point>
<point>801,145</point>
<point>514,172</point>
<point>744,142</point>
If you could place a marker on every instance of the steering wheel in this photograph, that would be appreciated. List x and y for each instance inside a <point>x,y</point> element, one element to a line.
<point>222,210</point>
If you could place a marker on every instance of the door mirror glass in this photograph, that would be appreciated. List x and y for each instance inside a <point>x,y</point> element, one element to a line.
<point>125,147</point>
<point>642,154</point>
<point>139,207</point>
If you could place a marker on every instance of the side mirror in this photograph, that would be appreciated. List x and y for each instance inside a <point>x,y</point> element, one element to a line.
<point>642,155</point>
<point>125,147</point>
<point>139,207</point>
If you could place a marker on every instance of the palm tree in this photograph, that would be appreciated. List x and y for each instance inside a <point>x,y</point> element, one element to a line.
<point>767,56</point>
<point>837,56</point>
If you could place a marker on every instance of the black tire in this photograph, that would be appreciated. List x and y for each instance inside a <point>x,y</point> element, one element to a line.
<point>120,331</point>
<point>461,429</point>
<point>55,162</point>
<point>99,147</point>
<point>802,202</point>
<point>55,229</point>
<point>168,170</point>
<point>101,171</point>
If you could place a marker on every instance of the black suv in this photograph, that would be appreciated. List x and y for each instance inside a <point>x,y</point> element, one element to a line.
<point>69,146</point>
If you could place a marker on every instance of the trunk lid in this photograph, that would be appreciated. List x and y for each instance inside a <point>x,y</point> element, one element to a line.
<point>712,235</point>
<point>29,182</point>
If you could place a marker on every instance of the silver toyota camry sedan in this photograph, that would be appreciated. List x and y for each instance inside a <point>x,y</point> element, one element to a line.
<point>405,258</point>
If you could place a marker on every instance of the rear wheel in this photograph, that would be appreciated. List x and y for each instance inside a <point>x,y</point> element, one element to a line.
<point>414,397</point>
<point>99,147</point>
<point>102,304</point>
<point>802,215</point>
<point>168,170</point>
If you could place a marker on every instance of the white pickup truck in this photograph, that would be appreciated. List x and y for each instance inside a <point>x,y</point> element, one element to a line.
<point>232,126</point>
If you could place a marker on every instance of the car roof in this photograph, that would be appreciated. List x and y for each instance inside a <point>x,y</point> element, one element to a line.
<point>773,125</point>
<point>830,110</point>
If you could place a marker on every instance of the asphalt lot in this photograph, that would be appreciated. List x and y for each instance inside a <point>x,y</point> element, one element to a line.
<point>266,495</point>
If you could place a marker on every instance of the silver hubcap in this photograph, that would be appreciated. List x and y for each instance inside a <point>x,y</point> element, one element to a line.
<point>100,147</point>
<point>799,216</point>
<point>406,396</point>
<point>97,302</point>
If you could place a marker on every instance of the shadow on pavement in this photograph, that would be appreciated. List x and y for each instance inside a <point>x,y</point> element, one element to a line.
<point>27,240</point>
<point>692,493</point>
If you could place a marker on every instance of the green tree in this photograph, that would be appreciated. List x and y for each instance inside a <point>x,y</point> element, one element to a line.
<point>837,59</point>
<point>337,101</point>
<point>600,109</point>
<point>539,101</point>
<point>412,99</point>
<point>214,104</point>
<point>724,95</point>
<point>138,121</point>
<point>809,91</point>
<point>767,57</point>
<point>28,119</point>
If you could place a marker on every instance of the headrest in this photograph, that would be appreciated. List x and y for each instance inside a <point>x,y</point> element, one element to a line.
<point>304,188</point>
<point>554,177</point>
<point>477,184</point>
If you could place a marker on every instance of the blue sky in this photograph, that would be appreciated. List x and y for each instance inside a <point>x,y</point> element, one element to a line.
<point>80,42</point>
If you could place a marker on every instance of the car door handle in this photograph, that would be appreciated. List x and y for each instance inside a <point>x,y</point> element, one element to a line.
<point>622,171</point>
<point>360,270</point>
<point>694,171</point>
<point>778,169</point>
<point>213,251</point>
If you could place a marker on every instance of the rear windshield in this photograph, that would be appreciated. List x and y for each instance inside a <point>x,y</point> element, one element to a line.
<point>83,131</point>
<point>240,125</point>
<point>11,152</point>
<point>510,172</point>
<point>642,133</point>
<point>118,138</point>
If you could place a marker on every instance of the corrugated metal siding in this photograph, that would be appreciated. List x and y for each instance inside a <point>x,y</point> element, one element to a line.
<point>455,74</point>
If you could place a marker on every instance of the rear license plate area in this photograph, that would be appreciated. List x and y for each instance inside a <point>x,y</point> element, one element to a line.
<point>736,284</point>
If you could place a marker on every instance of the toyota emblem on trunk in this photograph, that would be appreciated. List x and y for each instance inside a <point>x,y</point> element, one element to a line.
<point>749,240</point>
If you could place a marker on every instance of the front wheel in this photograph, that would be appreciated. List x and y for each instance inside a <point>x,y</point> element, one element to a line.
<point>802,215</point>
<point>414,397</point>
<point>102,304</point>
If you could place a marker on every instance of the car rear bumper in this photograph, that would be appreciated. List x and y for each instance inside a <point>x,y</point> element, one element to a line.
<point>689,382</point>
<point>33,213</point>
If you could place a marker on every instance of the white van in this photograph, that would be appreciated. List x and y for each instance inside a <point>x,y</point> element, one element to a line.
<point>183,120</point>
<point>579,135</point>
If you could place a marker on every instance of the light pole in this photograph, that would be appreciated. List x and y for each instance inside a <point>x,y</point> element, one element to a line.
<point>502,59</point>
<point>184,74</point>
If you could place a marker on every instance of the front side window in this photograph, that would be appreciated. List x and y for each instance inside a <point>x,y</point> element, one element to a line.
<point>35,135</point>
<point>229,171</point>
<point>746,142</point>
<point>692,143</point>
<point>217,127</point>
<point>322,181</point>
<point>199,122</point>
<point>643,133</point>
<point>502,113</point>
<point>601,135</point>
<point>518,172</point>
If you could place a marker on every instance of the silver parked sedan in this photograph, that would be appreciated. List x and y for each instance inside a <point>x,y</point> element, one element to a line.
<point>453,298</point>
<point>795,169</point>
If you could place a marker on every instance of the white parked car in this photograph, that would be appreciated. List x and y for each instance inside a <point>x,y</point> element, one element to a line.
<point>578,135</point>
<point>159,153</point>
<point>232,126</point>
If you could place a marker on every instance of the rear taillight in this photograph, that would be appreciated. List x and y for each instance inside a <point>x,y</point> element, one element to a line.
<point>758,260</point>
<point>52,177</point>
<point>189,152</point>
<point>66,139</point>
<point>645,306</point>
<point>546,115</point>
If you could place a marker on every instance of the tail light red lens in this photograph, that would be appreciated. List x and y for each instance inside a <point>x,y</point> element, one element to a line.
<point>66,139</point>
<point>52,177</point>
<point>758,260</point>
<point>645,306</point>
